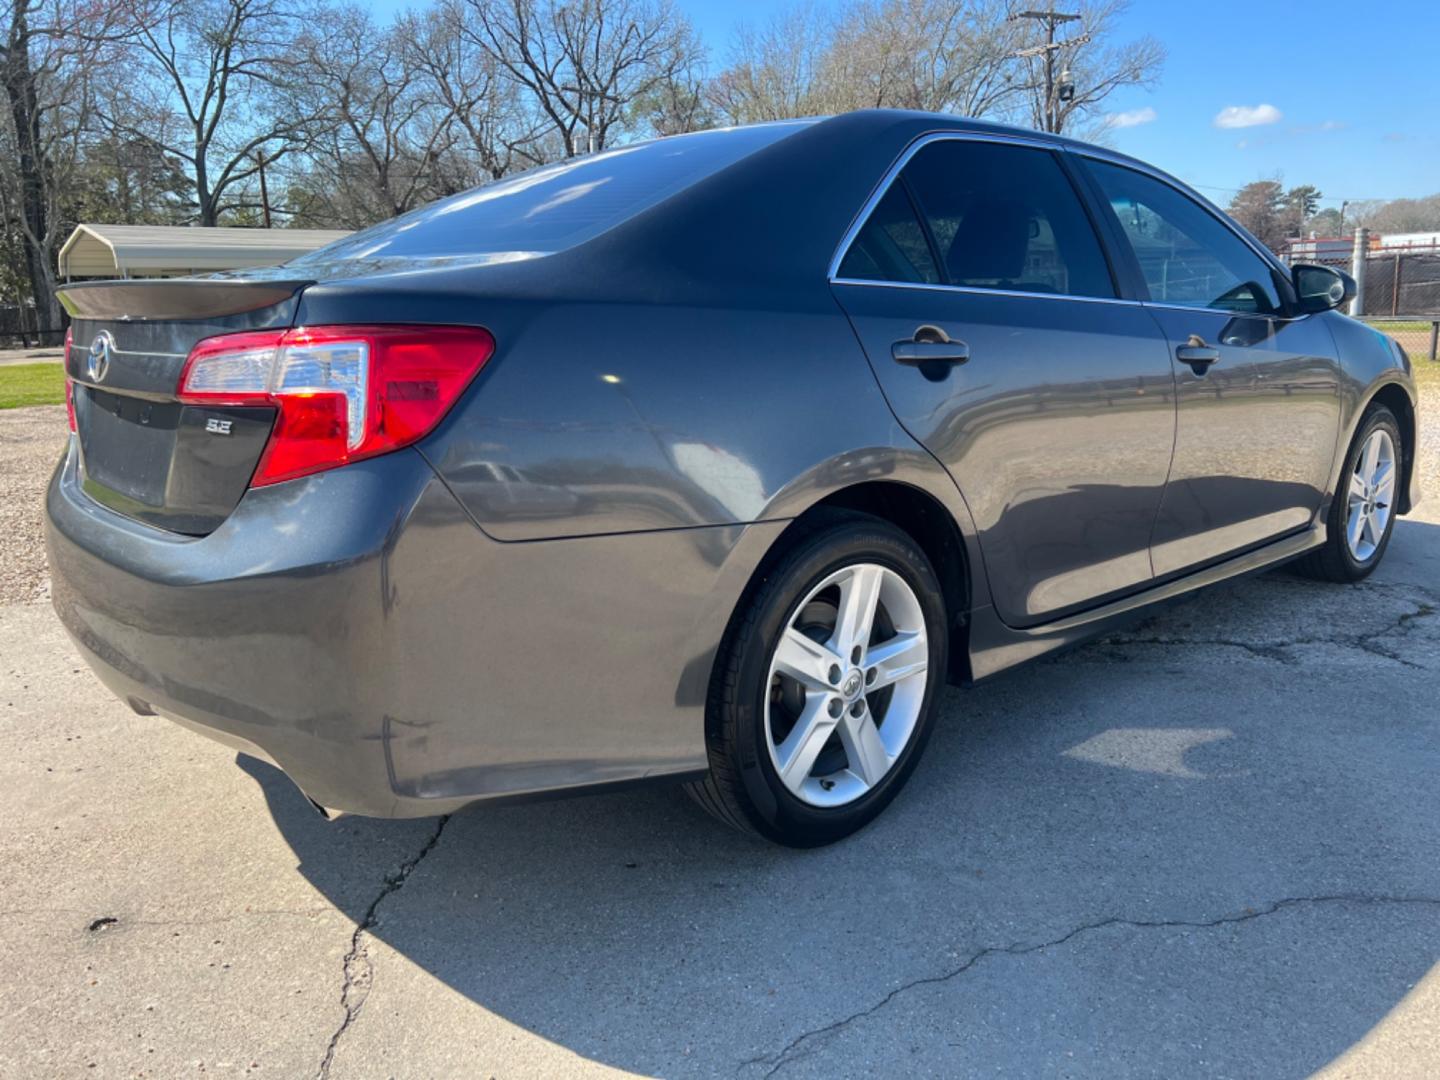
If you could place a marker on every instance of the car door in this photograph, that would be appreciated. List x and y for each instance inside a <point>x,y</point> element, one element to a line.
<point>1257,391</point>
<point>985,303</point>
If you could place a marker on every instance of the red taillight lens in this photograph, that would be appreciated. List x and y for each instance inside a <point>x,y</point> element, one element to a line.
<point>69,384</point>
<point>341,393</point>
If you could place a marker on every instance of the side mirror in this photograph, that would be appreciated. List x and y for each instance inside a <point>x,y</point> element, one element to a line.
<point>1321,288</point>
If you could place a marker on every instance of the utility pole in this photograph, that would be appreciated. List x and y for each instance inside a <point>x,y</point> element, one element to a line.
<point>1357,269</point>
<point>264,193</point>
<point>1051,120</point>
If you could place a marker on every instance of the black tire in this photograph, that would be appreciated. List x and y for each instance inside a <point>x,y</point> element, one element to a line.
<point>743,788</point>
<point>1334,561</point>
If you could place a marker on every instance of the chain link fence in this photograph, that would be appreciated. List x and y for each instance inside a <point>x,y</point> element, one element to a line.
<point>1399,286</point>
<point>20,329</point>
<point>1418,337</point>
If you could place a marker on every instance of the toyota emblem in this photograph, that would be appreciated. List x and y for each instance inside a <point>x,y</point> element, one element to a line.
<point>97,361</point>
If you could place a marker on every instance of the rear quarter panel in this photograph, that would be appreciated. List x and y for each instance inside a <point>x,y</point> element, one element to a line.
<point>603,418</point>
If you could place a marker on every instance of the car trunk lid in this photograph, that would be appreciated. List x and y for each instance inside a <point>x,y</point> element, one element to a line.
<point>144,453</point>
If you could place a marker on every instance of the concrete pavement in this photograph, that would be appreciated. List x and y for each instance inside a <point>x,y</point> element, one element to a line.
<point>37,355</point>
<point>1205,847</point>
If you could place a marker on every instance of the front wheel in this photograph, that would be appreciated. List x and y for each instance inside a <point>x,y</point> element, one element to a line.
<point>1362,515</point>
<point>826,685</point>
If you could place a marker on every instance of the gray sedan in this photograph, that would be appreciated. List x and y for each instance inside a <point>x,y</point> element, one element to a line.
<point>709,459</point>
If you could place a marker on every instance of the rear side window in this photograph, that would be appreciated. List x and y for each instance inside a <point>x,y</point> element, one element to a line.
<point>1000,217</point>
<point>1187,256</point>
<point>554,207</point>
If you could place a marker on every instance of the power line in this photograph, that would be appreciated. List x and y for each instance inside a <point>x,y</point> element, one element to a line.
<point>1053,121</point>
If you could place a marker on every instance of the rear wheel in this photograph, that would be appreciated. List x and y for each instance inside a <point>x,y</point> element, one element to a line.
<point>1362,515</point>
<point>826,685</point>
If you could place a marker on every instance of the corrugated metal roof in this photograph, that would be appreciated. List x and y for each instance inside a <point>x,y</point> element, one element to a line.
<point>144,250</point>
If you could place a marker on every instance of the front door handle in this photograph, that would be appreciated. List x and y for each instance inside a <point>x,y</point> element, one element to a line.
<point>930,345</point>
<point>1197,354</point>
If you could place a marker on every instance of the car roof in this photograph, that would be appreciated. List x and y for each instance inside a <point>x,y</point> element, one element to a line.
<point>760,231</point>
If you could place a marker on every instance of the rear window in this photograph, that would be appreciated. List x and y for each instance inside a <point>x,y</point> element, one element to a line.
<point>554,207</point>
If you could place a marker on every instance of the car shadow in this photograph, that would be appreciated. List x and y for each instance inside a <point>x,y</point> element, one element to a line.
<point>1182,849</point>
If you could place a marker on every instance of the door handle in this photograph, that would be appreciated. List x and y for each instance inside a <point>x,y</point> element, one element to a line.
<point>925,352</point>
<point>1197,354</point>
<point>930,345</point>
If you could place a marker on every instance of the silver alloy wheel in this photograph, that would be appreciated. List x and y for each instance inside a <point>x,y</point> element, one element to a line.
<point>845,690</point>
<point>1371,496</point>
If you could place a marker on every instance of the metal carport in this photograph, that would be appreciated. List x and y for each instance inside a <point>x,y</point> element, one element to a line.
<point>109,251</point>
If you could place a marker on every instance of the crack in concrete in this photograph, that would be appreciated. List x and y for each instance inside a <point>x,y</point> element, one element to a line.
<point>808,1042</point>
<point>1277,650</point>
<point>123,922</point>
<point>358,971</point>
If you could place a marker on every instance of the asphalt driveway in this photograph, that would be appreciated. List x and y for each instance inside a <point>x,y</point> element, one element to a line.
<point>1207,846</point>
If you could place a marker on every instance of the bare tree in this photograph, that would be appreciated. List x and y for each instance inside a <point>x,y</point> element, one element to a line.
<point>1068,78</point>
<point>584,62</point>
<point>775,69</point>
<point>48,57</point>
<point>501,132</point>
<point>377,128</point>
<point>211,72</point>
<point>129,181</point>
<point>1400,215</point>
<point>1260,207</point>
<point>934,55</point>
<point>675,106</point>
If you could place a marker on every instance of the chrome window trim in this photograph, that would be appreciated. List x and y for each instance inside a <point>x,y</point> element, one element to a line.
<point>972,290</point>
<point>1094,152</point>
<point>1270,316</point>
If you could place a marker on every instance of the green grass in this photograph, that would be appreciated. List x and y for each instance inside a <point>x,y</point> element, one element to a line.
<point>1400,326</point>
<point>1427,374</point>
<point>31,384</point>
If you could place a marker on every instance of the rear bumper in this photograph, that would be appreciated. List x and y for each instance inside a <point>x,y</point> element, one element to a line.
<point>359,631</point>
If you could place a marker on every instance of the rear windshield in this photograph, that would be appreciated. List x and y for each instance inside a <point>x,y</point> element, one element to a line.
<point>554,207</point>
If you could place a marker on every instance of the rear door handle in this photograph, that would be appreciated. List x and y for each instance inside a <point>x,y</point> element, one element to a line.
<point>924,352</point>
<point>930,345</point>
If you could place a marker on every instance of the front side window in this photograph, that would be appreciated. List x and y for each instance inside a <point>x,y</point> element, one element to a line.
<point>998,216</point>
<point>1186,255</point>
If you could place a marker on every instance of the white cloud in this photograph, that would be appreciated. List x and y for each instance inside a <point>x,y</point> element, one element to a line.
<point>1133,118</point>
<point>1243,116</point>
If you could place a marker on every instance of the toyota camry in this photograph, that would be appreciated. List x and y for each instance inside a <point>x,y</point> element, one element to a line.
<point>711,459</point>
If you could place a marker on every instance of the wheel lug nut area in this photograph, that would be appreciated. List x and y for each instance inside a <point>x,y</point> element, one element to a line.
<point>870,676</point>
<point>858,709</point>
<point>834,674</point>
<point>836,707</point>
<point>855,655</point>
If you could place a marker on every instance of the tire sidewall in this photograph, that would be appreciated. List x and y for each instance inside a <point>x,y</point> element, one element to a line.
<point>775,811</point>
<point>1378,417</point>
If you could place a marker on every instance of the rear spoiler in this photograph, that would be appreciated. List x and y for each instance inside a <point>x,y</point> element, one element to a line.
<point>174,298</point>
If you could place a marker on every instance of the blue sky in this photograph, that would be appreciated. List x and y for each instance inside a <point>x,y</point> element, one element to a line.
<point>1351,86</point>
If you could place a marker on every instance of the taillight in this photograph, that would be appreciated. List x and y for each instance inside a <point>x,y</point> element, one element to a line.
<point>69,383</point>
<point>341,393</point>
